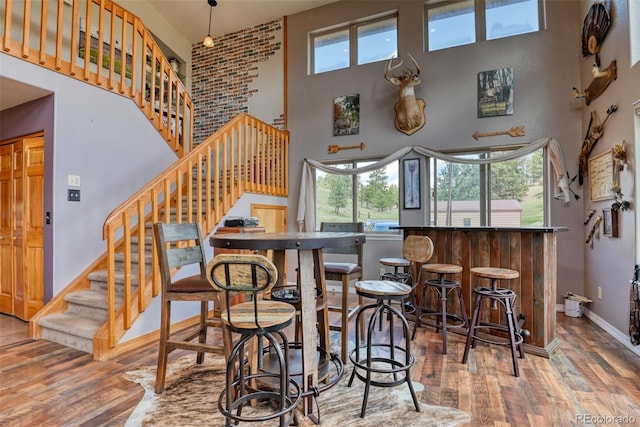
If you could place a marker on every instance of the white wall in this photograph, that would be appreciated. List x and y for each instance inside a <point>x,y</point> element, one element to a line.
<point>107,141</point>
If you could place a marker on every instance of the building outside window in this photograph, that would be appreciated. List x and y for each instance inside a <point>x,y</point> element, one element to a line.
<point>503,194</point>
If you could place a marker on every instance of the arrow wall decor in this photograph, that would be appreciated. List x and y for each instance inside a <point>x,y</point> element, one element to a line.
<point>514,131</point>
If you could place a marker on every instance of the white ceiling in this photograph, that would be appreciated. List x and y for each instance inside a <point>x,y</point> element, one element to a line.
<point>192,18</point>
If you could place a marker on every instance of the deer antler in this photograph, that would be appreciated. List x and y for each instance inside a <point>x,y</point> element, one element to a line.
<point>388,68</point>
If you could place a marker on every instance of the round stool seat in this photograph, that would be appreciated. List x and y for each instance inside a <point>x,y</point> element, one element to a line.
<point>395,262</point>
<point>272,314</point>
<point>382,289</point>
<point>495,273</point>
<point>442,268</point>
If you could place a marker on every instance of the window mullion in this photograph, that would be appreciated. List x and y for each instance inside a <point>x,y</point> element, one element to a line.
<point>481,20</point>
<point>485,194</point>
<point>353,45</point>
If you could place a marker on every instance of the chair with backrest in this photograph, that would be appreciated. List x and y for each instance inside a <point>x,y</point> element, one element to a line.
<point>344,272</point>
<point>179,246</point>
<point>253,276</point>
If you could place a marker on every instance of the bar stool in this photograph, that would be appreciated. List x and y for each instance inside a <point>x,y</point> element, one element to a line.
<point>390,370</point>
<point>253,275</point>
<point>442,287</point>
<point>506,298</point>
<point>397,276</point>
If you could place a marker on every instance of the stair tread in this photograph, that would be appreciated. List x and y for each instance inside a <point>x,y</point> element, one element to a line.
<point>72,324</point>
<point>90,297</point>
<point>101,275</point>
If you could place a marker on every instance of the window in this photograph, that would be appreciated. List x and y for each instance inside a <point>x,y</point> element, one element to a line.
<point>502,194</point>
<point>451,25</point>
<point>634,31</point>
<point>370,197</point>
<point>506,18</point>
<point>456,23</point>
<point>361,43</point>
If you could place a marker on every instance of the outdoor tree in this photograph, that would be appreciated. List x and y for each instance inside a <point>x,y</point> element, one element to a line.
<point>508,180</point>
<point>339,191</point>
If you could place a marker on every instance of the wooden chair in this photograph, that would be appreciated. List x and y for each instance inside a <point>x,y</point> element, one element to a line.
<point>254,276</point>
<point>180,246</point>
<point>344,272</point>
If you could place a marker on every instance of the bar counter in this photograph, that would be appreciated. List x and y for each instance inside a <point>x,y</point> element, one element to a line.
<point>531,251</point>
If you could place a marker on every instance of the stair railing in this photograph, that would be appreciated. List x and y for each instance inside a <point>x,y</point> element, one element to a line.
<point>245,155</point>
<point>122,56</point>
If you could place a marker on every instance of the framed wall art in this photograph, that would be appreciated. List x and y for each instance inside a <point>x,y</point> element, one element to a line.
<point>610,222</point>
<point>346,115</point>
<point>495,93</point>
<point>411,176</point>
<point>600,171</point>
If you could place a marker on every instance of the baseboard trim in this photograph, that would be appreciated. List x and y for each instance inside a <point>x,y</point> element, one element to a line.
<point>606,326</point>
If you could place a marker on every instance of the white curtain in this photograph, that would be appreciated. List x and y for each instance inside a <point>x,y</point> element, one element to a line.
<point>306,201</point>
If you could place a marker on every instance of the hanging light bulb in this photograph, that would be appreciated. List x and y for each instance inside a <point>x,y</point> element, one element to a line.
<point>208,41</point>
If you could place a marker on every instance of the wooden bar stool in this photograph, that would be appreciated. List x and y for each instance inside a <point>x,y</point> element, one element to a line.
<point>254,276</point>
<point>506,299</point>
<point>442,287</point>
<point>379,356</point>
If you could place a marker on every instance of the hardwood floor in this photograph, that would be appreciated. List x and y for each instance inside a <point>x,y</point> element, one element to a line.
<point>591,379</point>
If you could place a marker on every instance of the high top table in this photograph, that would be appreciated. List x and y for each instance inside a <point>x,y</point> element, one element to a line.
<point>309,247</point>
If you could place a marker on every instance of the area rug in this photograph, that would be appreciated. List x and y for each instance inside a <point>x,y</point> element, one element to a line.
<point>191,395</point>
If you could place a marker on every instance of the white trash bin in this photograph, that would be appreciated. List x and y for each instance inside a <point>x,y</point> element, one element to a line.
<point>572,308</point>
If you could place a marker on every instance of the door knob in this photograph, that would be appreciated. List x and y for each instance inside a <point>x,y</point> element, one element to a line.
<point>1,237</point>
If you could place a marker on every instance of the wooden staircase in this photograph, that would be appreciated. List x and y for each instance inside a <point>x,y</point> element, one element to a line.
<point>246,155</point>
<point>102,303</point>
<point>87,309</point>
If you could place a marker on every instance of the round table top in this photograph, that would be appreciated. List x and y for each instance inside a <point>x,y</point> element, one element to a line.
<point>286,240</point>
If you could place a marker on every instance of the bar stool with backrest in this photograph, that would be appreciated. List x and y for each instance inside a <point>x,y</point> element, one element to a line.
<point>180,246</point>
<point>442,288</point>
<point>253,276</point>
<point>504,298</point>
<point>385,363</point>
<point>344,272</point>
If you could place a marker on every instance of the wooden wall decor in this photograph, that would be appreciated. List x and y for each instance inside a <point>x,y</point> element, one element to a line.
<point>601,80</point>
<point>333,149</point>
<point>594,133</point>
<point>514,131</point>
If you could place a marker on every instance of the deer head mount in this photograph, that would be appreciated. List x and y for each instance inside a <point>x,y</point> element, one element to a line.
<point>409,110</point>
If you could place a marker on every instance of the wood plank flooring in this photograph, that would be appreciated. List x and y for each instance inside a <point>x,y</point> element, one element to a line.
<point>591,379</point>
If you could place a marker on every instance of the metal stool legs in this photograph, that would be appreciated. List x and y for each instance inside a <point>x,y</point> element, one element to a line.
<point>443,288</point>
<point>382,362</point>
<point>506,299</point>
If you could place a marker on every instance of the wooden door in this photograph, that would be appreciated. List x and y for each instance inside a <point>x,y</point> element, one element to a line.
<point>272,217</point>
<point>22,227</point>
<point>6,226</point>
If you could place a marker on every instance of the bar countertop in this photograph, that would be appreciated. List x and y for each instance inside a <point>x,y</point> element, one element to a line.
<point>506,229</point>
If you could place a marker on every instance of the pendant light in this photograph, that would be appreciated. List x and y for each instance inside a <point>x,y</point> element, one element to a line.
<point>208,41</point>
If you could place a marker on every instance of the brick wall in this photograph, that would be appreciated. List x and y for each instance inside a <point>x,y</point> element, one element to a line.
<point>222,76</point>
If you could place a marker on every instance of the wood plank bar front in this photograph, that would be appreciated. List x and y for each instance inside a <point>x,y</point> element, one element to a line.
<point>531,251</point>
